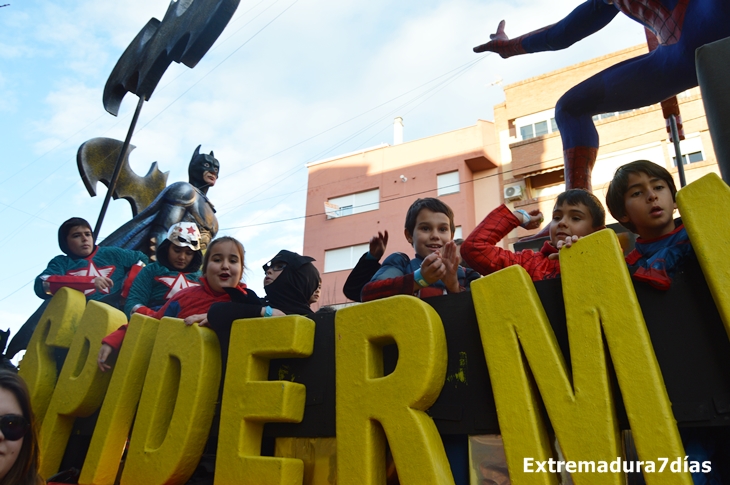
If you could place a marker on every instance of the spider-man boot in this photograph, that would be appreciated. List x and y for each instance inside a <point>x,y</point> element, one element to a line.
<point>579,163</point>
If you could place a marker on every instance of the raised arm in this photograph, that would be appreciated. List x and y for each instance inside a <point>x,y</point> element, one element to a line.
<point>479,248</point>
<point>366,267</point>
<point>587,19</point>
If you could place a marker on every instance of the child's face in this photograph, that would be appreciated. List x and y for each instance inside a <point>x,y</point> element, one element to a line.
<point>179,257</point>
<point>9,449</point>
<point>80,241</point>
<point>273,271</point>
<point>649,206</point>
<point>432,232</point>
<point>317,293</point>
<point>224,266</point>
<point>570,220</point>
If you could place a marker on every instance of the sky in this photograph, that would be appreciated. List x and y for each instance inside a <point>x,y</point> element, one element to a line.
<point>287,83</point>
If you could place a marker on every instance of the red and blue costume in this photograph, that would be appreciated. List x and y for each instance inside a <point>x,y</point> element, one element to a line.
<point>658,259</point>
<point>681,26</point>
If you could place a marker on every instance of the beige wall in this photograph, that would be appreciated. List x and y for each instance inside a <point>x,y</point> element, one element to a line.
<point>623,138</point>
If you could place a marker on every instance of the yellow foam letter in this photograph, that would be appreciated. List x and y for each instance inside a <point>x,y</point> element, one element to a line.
<point>250,400</point>
<point>709,234</point>
<point>81,386</point>
<point>397,401</point>
<point>177,405</point>
<point>598,295</point>
<point>55,328</point>
<point>117,412</point>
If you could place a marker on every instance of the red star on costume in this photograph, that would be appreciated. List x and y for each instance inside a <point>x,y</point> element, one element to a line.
<point>92,270</point>
<point>175,283</point>
<point>191,230</point>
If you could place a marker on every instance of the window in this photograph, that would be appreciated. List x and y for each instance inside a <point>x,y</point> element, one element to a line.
<point>693,157</point>
<point>691,149</point>
<point>348,205</point>
<point>526,132</point>
<point>541,128</point>
<point>458,232</point>
<point>343,258</point>
<point>603,116</point>
<point>537,124</point>
<point>448,183</point>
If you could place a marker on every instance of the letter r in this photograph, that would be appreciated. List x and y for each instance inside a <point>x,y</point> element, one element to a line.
<point>397,401</point>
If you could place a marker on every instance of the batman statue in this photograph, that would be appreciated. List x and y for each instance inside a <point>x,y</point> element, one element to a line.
<point>178,202</point>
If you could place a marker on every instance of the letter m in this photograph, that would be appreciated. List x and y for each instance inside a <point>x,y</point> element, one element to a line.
<point>599,301</point>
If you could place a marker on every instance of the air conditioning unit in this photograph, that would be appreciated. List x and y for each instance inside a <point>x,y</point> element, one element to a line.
<point>514,192</point>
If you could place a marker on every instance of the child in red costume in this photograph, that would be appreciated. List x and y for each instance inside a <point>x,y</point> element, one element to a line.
<point>222,269</point>
<point>577,213</point>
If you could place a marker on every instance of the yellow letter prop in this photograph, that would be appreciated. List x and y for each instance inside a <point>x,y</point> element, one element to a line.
<point>177,405</point>
<point>397,401</point>
<point>55,328</point>
<point>598,295</point>
<point>250,400</point>
<point>81,386</point>
<point>709,233</point>
<point>117,412</point>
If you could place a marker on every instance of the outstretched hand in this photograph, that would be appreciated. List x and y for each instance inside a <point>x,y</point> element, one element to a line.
<point>500,35</point>
<point>378,244</point>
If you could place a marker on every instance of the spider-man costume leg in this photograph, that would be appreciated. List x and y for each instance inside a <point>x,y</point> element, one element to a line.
<point>634,83</point>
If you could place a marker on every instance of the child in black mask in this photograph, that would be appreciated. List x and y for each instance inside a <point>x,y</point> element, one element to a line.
<point>290,282</point>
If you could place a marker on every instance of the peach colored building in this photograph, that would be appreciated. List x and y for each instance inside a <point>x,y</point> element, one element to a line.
<point>517,160</point>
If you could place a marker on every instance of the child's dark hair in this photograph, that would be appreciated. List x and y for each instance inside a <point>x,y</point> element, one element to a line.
<point>163,257</point>
<point>582,196</point>
<point>219,240</point>
<point>620,184</point>
<point>434,205</point>
<point>66,228</point>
